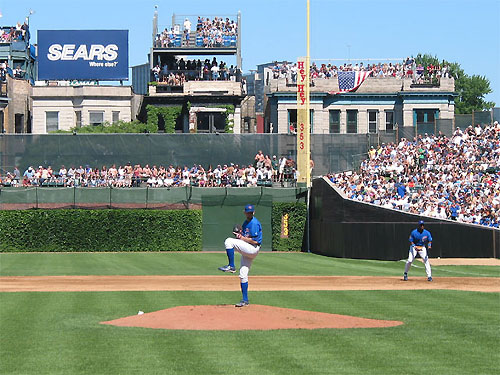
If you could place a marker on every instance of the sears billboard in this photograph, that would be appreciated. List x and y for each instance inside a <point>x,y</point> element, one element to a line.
<point>83,55</point>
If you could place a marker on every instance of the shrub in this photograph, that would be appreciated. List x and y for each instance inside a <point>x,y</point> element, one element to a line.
<point>100,230</point>
<point>297,214</point>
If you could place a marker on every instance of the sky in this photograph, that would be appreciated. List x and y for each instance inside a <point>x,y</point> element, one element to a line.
<point>463,31</point>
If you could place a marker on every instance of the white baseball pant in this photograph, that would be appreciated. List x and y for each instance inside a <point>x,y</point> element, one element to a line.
<point>422,251</point>
<point>248,253</point>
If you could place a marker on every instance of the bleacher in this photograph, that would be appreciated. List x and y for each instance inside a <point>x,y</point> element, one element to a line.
<point>218,37</point>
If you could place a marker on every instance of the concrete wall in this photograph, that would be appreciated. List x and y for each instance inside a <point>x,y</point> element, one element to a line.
<point>202,88</point>
<point>18,92</point>
<point>248,111</point>
<point>370,85</point>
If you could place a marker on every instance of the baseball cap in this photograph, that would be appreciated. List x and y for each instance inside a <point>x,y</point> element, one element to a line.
<point>249,208</point>
<point>421,222</point>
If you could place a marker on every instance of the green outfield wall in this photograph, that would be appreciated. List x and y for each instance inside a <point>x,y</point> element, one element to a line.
<point>89,219</point>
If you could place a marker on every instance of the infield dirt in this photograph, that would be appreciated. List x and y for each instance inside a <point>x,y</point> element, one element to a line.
<point>231,283</point>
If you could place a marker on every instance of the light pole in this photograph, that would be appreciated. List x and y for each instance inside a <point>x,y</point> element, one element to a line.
<point>31,12</point>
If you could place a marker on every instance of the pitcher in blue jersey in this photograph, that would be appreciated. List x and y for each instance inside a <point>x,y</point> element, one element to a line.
<point>247,243</point>
<point>419,239</point>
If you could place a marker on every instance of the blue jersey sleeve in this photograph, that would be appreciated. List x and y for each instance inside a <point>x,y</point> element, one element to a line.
<point>412,237</point>
<point>429,237</point>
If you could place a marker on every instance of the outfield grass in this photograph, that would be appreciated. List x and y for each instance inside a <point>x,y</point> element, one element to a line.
<point>444,332</point>
<point>13,264</point>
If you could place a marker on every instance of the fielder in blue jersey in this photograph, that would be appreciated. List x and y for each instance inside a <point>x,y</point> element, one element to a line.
<point>420,241</point>
<point>247,243</point>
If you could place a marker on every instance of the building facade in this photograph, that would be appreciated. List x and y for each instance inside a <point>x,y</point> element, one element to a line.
<point>64,107</point>
<point>189,70</point>
<point>379,106</point>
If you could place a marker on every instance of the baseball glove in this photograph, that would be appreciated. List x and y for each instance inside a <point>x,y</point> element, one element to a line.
<point>237,228</point>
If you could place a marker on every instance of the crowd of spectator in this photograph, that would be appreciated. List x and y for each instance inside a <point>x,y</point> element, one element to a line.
<point>455,178</point>
<point>405,69</point>
<point>5,70</point>
<point>16,33</point>
<point>262,172</point>
<point>210,33</point>
<point>216,32</point>
<point>171,38</point>
<point>180,71</point>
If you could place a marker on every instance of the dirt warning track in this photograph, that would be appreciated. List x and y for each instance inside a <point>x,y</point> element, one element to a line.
<point>231,283</point>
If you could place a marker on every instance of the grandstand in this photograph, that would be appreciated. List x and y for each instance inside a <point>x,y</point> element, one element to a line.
<point>453,178</point>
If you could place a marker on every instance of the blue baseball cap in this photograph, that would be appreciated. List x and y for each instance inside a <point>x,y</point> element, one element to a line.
<point>249,208</point>
<point>421,222</point>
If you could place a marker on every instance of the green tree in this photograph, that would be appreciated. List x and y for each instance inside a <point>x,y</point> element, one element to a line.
<point>471,90</point>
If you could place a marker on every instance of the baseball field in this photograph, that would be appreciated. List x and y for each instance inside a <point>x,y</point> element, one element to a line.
<point>53,306</point>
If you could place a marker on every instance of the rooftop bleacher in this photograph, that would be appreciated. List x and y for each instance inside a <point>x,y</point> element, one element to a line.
<point>12,34</point>
<point>384,77</point>
<point>199,32</point>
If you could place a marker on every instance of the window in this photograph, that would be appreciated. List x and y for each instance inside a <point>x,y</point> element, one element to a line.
<point>425,116</point>
<point>2,130</point>
<point>352,121</point>
<point>96,118</point>
<point>372,121</point>
<point>51,121</point>
<point>246,124</point>
<point>424,119</point>
<point>78,119</point>
<point>116,116</point>
<point>292,121</point>
<point>389,121</point>
<point>335,121</point>
<point>19,123</point>
<point>207,122</point>
<point>311,121</point>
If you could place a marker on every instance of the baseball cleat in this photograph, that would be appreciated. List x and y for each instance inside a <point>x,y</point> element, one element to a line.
<point>429,278</point>
<point>405,277</point>
<point>227,268</point>
<point>242,303</point>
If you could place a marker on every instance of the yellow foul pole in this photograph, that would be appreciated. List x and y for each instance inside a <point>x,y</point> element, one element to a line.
<point>303,114</point>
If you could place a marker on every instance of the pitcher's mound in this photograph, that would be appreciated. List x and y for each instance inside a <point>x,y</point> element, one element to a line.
<point>252,317</point>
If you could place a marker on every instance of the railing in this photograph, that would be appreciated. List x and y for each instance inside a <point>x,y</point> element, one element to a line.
<point>187,32</point>
<point>195,40</point>
<point>178,77</point>
<point>169,89</point>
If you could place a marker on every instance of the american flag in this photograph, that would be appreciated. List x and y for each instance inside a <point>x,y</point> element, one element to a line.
<point>350,81</point>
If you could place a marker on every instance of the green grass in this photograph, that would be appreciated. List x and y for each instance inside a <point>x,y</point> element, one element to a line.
<point>206,264</point>
<point>444,332</point>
